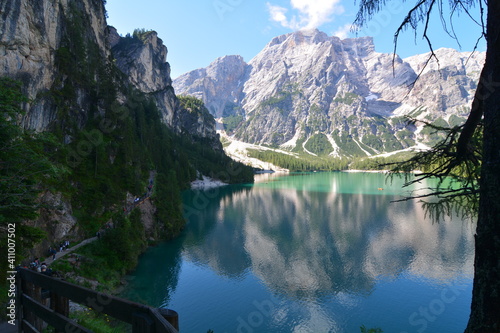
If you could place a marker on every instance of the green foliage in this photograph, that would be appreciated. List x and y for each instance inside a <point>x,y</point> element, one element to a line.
<point>348,98</point>
<point>405,136</point>
<point>191,103</point>
<point>317,119</point>
<point>98,322</point>
<point>141,34</point>
<point>61,265</point>
<point>115,253</point>
<point>114,153</point>
<point>347,144</point>
<point>169,211</point>
<point>275,100</point>
<point>434,132</point>
<point>457,189</point>
<point>232,122</point>
<point>138,37</point>
<point>319,144</point>
<point>24,165</point>
<point>373,141</point>
<point>304,162</point>
<point>378,163</point>
<point>456,120</point>
<point>370,330</point>
<point>416,112</point>
<point>278,101</point>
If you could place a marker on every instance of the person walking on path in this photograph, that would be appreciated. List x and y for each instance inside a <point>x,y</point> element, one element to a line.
<point>49,261</point>
<point>52,252</point>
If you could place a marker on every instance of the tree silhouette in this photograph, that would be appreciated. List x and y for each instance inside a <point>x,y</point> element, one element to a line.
<point>470,151</point>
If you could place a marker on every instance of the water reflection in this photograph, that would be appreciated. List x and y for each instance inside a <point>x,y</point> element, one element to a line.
<point>310,238</point>
<point>156,276</point>
<point>328,251</point>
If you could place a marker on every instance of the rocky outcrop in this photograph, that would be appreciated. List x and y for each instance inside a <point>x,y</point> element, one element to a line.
<point>219,85</point>
<point>57,220</point>
<point>34,37</point>
<point>142,58</point>
<point>31,33</point>
<point>69,62</point>
<point>448,82</point>
<point>337,93</point>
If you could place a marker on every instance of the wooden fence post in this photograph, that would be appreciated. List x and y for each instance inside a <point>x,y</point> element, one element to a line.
<point>59,304</point>
<point>36,290</point>
<point>142,323</point>
<point>171,316</point>
<point>38,297</point>
<point>27,289</point>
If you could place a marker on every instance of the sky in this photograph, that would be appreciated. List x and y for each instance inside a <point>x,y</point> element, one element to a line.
<point>196,32</point>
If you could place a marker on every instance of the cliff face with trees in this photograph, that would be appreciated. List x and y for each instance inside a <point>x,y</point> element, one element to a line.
<point>99,111</point>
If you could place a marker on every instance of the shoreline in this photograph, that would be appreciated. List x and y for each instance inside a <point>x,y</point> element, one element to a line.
<point>206,183</point>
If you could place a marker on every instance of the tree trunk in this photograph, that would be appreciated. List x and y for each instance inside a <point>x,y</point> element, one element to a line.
<point>485,307</point>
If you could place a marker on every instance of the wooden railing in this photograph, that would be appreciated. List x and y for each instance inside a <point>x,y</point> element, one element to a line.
<point>42,298</point>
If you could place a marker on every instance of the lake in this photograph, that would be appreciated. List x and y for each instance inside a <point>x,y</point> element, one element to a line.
<point>311,252</point>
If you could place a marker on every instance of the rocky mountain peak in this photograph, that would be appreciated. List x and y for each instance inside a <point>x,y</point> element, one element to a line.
<point>219,85</point>
<point>308,87</point>
<point>449,59</point>
<point>143,58</point>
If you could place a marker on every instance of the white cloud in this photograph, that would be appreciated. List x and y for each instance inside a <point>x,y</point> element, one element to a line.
<point>343,31</point>
<point>311,13</point>
<point>278,14</point>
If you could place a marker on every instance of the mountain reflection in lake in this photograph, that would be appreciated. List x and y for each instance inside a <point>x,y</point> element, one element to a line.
<point>322,252</point>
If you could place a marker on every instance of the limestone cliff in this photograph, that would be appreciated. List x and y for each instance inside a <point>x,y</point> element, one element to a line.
<point>31,34</point>
<point>219,85</point>
<point>77,73</point>
<point>142,57</point>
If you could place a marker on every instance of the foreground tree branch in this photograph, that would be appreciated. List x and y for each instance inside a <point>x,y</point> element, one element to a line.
<point>468,155</point>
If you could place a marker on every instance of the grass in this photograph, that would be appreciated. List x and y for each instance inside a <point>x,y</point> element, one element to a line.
<point>98,322</point>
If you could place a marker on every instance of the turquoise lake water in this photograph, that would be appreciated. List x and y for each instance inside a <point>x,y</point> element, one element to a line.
<point>312,252</point>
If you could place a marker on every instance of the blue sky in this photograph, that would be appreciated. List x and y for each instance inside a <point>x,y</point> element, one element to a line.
<point>196,32</point>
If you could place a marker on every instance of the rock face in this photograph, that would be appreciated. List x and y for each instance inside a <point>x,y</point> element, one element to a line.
<point>219,85</point>
<point>306,89</point>
<point>142,58</point>
<point>31,33</point>
<point>34,36</point>
<point>67,59</point>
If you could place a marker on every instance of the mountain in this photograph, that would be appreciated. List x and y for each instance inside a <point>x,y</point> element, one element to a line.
<point>142,58</point>
<point>101,110</point>
<point>315,94</point>
<point>38,41</point>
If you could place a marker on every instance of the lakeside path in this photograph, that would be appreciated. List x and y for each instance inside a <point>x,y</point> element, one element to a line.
<point>5,327</point>
<point>147,195</point>
<point>49,259</point>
